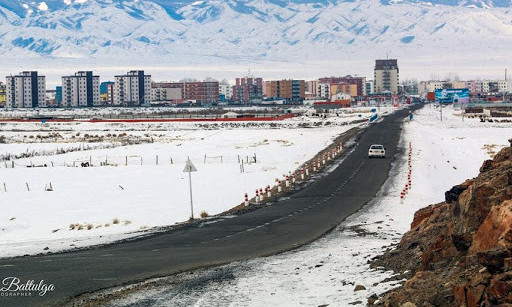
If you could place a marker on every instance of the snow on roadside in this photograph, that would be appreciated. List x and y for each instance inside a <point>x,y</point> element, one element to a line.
<point>117,201</point>
<point>445,153</point>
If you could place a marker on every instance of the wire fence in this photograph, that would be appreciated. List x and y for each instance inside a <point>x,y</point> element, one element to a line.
<point>129,160</point>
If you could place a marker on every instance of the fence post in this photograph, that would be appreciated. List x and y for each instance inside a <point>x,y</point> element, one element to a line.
<point>5,187</point>
<point>141,160</point>
<point>156,159</point>
<point>28,188</point>
<point>126,160</point>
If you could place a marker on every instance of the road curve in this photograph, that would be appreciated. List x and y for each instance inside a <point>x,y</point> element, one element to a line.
<point>302,218</point>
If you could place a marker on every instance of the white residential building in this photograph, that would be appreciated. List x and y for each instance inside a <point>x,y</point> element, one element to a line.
<point>133,89</point>
<point>369,87</point>
<point>163,94</point>
<point>26,90</point>
<point>429,86</point>
<point>81,90</point>
<point>340,96</point>
<point>226,90</point>
<point>496,86</point>
<point>323,90</point>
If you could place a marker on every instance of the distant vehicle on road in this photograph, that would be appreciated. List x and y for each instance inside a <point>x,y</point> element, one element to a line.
<point>377,150</point>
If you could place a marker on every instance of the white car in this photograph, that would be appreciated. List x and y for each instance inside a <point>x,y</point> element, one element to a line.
<point>377,150</point>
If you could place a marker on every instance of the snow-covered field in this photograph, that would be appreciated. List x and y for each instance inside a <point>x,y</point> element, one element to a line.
<point>131,188</point>
<point>444,153</point>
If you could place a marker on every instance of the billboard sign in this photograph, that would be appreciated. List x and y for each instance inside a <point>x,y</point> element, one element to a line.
<point>457,95</point>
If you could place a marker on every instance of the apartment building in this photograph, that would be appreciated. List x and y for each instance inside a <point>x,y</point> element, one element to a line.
<point>107,90</point>
<point>312,87</point>
<point>369,87</point>
<point>226,90</point>
<point>81,90</point>
<point>358,82</point>
<point>290,90</point>
<point>247,90</point>
<point>26,90</point>
<point>323,90</point>
<point>133,89</point>
<point>198,91</point>
<point>386,76</point>
<point>3,95</point>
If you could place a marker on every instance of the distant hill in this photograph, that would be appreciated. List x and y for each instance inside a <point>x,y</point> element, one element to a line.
<point>252,31</point>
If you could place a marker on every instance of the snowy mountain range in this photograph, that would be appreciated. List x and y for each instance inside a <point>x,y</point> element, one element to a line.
<point>317,33</point>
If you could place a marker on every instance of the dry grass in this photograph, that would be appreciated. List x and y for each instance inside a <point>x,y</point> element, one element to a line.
<point>80,227</point>
<point>115,221</point>
<point>204,214</point>
<point>12,218</point>
<point>90,226</point>
<point>126,223</point>
<point>107,225</point>
<point>491,149</point>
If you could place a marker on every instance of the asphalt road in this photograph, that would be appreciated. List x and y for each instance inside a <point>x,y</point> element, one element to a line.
<point>305,216</point>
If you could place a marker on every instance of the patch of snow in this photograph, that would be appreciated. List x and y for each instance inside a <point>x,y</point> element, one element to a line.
<point>43,6</point>
<point>124,198</point>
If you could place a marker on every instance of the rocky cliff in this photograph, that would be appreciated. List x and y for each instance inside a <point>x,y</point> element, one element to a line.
<point>459,252</point>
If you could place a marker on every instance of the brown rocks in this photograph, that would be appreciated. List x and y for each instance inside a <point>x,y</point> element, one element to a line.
<point>453,194</point>
<point>496,229</point>
<point>460,251</point>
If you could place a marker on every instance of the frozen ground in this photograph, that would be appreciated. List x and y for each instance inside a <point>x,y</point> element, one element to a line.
<point>444,153</point>
<point>136,181</point>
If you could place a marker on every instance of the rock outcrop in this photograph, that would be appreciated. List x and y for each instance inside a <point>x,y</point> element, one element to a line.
<point>459,252</point>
